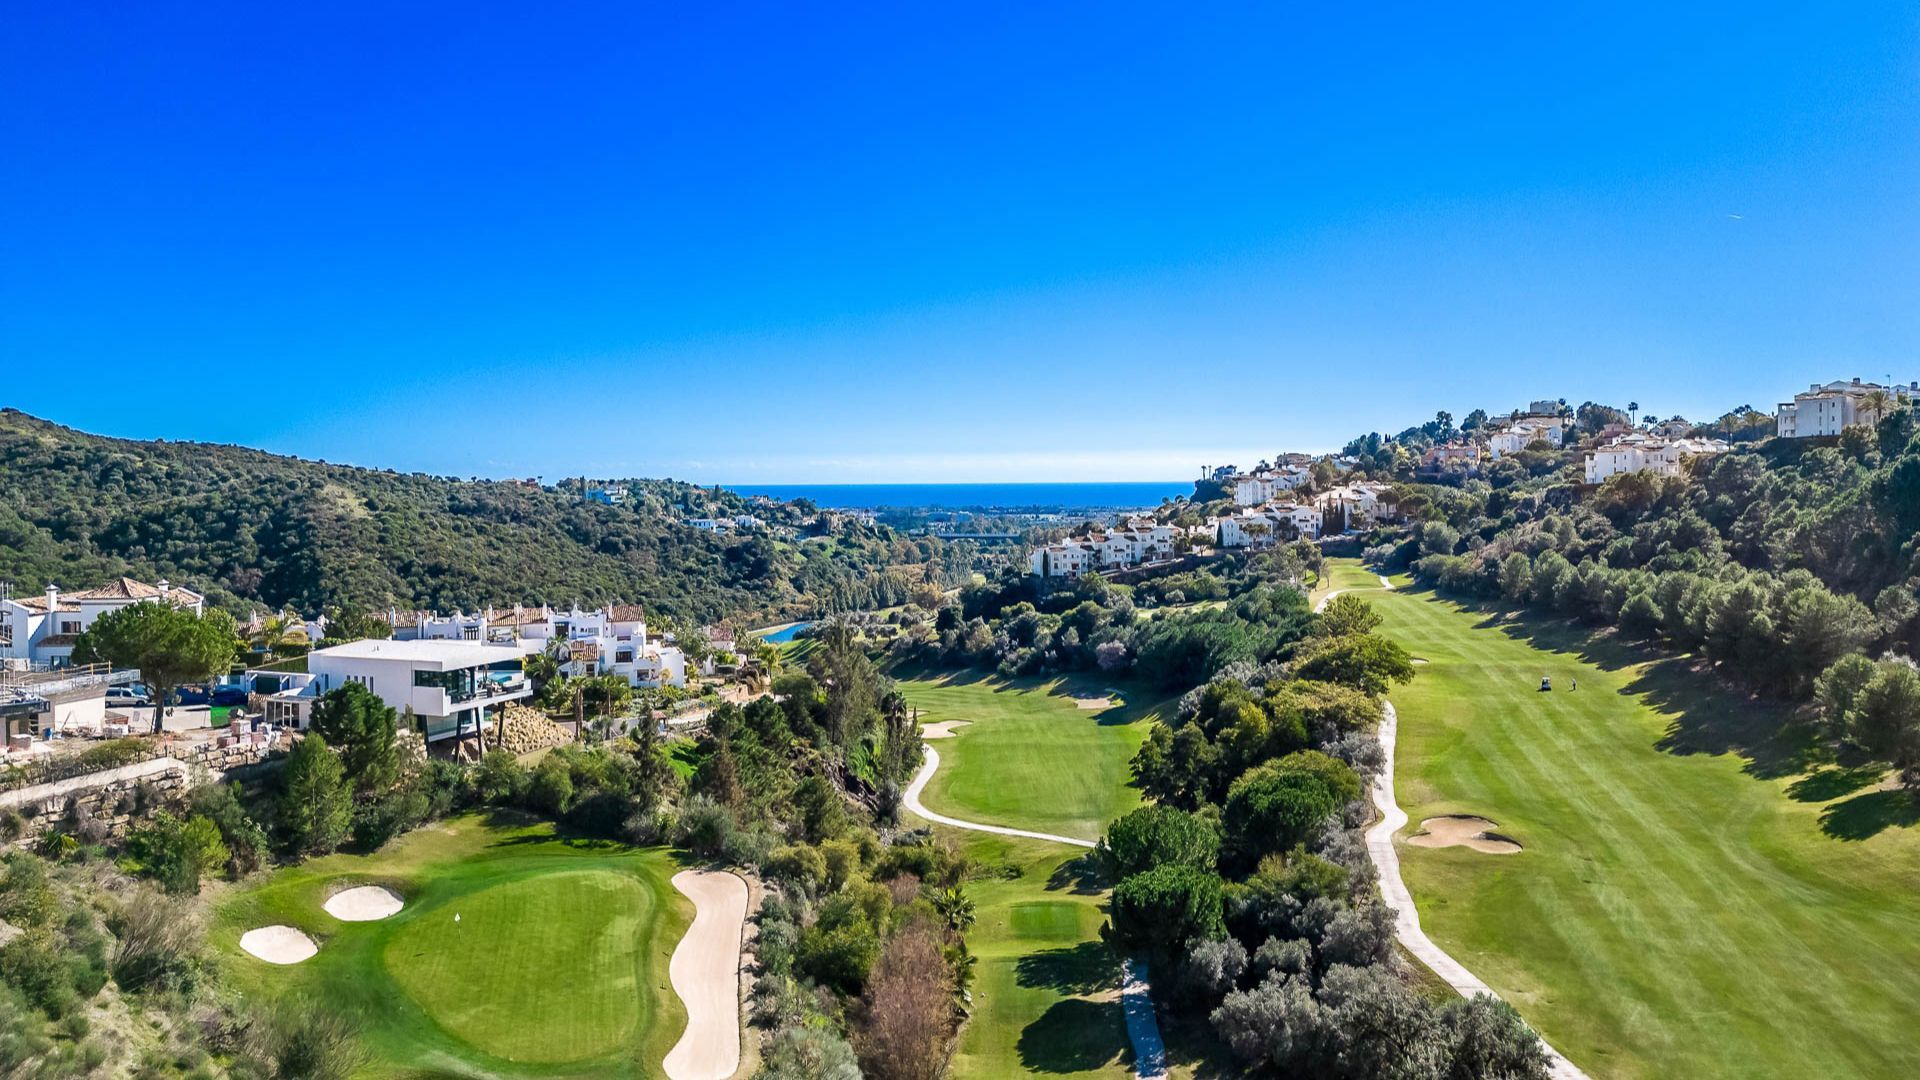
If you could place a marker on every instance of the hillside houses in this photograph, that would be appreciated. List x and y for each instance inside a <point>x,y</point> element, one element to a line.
<point>610,640</point>
<point>41,630</point>
<point>1265,526</point>
<point>1138,543</point>
<point>1641,452</point>
<point>1356,505</point>
<point>1831,408</point>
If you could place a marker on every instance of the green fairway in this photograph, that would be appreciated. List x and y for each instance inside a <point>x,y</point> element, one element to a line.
<point>1029,756</point>
<point>1046,998</point>
<point>479,994</point>
<point>1687,903</point>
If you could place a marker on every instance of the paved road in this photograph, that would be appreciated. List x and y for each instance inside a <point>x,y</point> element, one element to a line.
<point>1143,1027</point>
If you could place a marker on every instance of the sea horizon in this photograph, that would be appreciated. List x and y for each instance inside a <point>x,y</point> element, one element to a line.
<point>1026,495</point>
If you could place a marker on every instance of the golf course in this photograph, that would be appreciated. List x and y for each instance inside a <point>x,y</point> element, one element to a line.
<point>460,981</point>
<point>1693,894</point>
<point>1038,756</point>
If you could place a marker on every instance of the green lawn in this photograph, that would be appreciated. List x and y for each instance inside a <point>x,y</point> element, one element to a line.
<point>1030,757</point>
<point>479,996</point>
<point>1045,989</point>
<point>1690,902</point>
<point>1046,997</point>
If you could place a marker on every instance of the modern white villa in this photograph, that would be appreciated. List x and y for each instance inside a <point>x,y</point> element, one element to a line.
<point>610,640</point>
<point>1641,452</point>
<point>449,685</point>
<point>1831,408</point>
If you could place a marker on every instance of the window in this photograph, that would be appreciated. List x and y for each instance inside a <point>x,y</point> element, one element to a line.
<point>472,633</point>
<point>363,680</point>
<point>69,626</point>
<point>623,656</point>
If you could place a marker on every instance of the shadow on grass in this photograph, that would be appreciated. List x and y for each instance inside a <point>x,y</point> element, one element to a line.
<point>1864,816</point>
<point>1825,785</point>
<point>1086,968</point>
<point>1082,876</point>
<point>1704,715</point>
<point>1074,1035</point>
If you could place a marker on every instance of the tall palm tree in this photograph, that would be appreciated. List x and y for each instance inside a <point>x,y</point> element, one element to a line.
<point>1633,413</point>
<point>1877,403</point>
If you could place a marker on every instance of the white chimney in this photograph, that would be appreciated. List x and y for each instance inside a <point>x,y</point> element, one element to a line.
<point>53,598</point>
<point>165,588</point>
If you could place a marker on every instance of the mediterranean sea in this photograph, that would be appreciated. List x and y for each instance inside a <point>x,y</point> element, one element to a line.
<point>1120,495</point>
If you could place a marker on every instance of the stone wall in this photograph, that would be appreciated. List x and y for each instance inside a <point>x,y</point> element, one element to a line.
<point>528,730</point>
<point>109,800</point>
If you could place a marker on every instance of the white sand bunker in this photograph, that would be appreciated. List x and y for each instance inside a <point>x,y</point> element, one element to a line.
<point>1463,831</point>
<point>364,904</point>
<point>941,730</point>
<point>279,944</point>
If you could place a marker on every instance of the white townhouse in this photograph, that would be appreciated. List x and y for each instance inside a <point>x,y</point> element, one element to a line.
<point>1361,503</point>
<point>1117,549</point>
<point>1512,440</point>
<point>1264,485</point>
<point>1263,527</point>
<point>1831,408</point>
<point>611,640</point>
<point>41,630</point>
<point>1640,452</point>
<point>449,685</point>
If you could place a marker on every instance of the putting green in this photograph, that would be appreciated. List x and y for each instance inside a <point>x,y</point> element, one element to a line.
<point>556,966</point>
<point>465,973</point>
<point>1689,902</point>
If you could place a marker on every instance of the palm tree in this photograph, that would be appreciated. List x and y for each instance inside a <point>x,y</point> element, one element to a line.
<point>956,907</point>
<point>278,631</point>
<point>1633,413</point>
<point>1876,402</point>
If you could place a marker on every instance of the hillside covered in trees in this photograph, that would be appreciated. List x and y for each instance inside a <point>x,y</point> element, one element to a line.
<point>247,527</point>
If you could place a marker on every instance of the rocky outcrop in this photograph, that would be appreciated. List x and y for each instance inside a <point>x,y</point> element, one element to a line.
<point>528,730</point>
<point>101,805</point>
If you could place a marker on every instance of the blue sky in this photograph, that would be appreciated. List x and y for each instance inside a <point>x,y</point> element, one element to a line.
<point>945,242</point>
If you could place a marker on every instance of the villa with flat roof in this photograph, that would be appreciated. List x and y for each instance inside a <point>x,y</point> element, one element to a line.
<point>450,685</point>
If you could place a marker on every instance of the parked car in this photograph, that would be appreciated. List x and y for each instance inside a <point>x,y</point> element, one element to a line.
<point>127,696</point>
<point>191,695</point>
<point>234,696</point>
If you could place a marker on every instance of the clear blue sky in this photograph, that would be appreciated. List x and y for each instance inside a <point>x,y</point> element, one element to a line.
<point>947,242</point>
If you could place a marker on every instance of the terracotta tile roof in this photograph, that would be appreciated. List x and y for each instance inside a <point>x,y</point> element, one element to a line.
<point>39,603</point>
<point>626,613</point>
<point>518,617</point>
<point>127,588</point>
<point>584,650</point>
<point>58,641</point>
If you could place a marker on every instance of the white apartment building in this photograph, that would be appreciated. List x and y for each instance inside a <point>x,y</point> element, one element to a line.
<point>450,685</point>
<point>1362,503</point>
<point>1512,440</point>
<point>1640,452</point>
<point>41,630</point>
<point>1263,527</point>
<point>1265,485</point>
<point>1118,549</point>
<point>1831,408</point>
<point>611,640</point>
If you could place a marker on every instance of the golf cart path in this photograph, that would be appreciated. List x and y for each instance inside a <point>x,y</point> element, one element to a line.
<point>1143,1027</point>
<point>705,972</point>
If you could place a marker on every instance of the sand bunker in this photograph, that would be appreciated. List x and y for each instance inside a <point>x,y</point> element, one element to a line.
<point>1462,831</point>
<point>279,944</point>
<point>941,730</point>
<point>705,972</point>
<point>364,904</point>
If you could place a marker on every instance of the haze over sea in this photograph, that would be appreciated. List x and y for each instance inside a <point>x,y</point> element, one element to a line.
<point>1131,494</point>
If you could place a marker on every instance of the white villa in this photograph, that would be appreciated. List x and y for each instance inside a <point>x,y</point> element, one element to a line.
<point>450,685</point>
<point>611,640</point>
<point>41,630</point>
<point>1360,503</point>
<point>1263,527</point>
<point>1140,542</point>
<point>1512,440</point>
<point>1264,485</point>
<point>1832,408</point>
<point>1640,452</point>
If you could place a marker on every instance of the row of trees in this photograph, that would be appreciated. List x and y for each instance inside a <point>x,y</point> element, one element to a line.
<point>1247,885</point>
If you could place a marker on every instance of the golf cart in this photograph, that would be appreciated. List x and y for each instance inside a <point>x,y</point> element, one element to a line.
<point>1545,683</point>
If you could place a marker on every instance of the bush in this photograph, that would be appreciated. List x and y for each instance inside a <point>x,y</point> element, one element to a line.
<point>304,1039</point>
<point>159,942</point>
<point>177,851</point>
<point>705,827</point>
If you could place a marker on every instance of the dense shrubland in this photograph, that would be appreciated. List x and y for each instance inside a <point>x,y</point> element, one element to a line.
<point>250,528</point>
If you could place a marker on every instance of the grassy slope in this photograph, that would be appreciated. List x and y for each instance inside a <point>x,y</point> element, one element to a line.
<point>432,995</point>
<point>1031,758</point>
<point>1685,905</point>
<point>1045,998</point>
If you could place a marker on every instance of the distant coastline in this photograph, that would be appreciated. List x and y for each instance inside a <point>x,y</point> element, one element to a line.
<point>1121,495</point>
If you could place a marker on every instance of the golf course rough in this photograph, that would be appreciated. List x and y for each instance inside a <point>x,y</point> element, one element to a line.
<point>1681,908</point>
<point>516,954</point>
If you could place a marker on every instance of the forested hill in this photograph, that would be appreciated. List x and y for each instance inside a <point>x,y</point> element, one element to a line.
<point>249,527</point>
